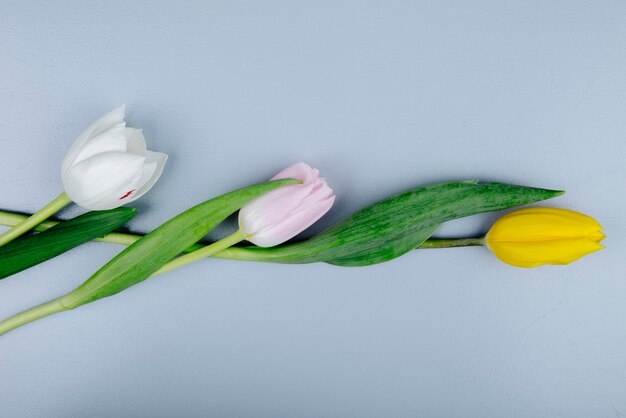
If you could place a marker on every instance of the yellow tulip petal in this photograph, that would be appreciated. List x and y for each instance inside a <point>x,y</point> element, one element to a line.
<point>537,236</point>
<point>596,236</point>
<point>577,217</point>
<point>546,224</point>
<point>534,254</point>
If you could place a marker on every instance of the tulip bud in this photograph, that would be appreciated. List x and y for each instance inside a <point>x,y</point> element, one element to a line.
<point>109,165</point>
<point>283,213</point>
<point>537,236</point>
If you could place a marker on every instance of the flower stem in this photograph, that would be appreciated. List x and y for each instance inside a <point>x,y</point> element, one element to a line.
<point>452,242</point>
<point>29,223</point>
<point>233,253</point>
<point>31,315</point>
<point>57,305</point>
<point>201,253</point>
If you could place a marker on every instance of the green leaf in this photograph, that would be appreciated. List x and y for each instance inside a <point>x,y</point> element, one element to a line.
<point>392,227</point>
<point>137,262</point>
<point>28,251</point>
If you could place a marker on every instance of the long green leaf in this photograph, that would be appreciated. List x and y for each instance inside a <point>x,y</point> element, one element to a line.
<point>28,251</point>
<point>392,227</point>
<point>137,262</point>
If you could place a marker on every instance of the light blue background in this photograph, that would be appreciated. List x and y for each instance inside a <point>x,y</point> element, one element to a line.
<point>382,97</point>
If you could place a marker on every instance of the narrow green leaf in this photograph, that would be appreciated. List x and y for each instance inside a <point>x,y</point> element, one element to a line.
<point>394,226</point>
<point>137,262</point>
<point>28,251</point>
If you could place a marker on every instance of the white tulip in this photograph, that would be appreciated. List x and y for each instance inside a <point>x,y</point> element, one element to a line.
<point>109,165</point>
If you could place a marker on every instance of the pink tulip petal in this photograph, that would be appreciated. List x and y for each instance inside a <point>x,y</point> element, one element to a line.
<point>281,214</point>
<point>292,225</point>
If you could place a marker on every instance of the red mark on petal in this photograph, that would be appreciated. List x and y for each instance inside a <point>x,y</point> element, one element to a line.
<point>127,194</point>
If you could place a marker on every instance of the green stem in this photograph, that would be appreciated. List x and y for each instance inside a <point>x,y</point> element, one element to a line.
<point>203,252</point>
<point>452,242</point>
<point>233,253</point>
<point>29,223</point>
<point>221,249</point>
<point>31,315</point>
<point>57,305</point>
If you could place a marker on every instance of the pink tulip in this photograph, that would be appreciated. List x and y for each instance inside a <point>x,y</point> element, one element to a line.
<point>283,213</point>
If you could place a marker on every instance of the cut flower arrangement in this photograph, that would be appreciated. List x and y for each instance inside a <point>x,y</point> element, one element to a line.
<point>109,166</point>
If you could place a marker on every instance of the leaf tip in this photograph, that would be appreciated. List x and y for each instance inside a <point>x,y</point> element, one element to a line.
<point>555,193</point>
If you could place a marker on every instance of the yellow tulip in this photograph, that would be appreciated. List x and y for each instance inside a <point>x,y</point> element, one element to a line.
<point>536,236</point>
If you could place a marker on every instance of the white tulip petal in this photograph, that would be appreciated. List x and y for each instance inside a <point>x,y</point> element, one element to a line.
<point>113,140</point>
<point>109,165</point>
<point>101,125</point>
<point>152,170</point>
<point>104,181</point>
<point>111,119</point>
<point>135,142</point>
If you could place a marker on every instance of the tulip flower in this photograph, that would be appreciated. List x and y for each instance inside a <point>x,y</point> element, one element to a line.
<point>283,213</point>
<point>276,216</point>
<point>107,166</point>
<point>537,236</point>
